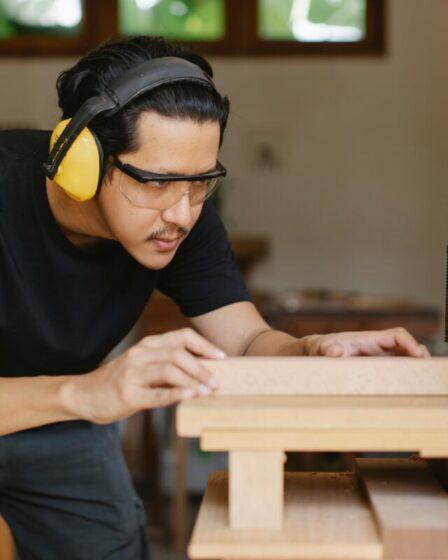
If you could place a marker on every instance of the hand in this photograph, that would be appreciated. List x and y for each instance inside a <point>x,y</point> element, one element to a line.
<point>158,371</point>
<point>390,342</point>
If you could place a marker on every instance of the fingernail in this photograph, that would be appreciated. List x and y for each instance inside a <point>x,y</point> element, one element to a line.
<point>188,393</point>
<point>213,382</point>
<point>220,354</point>
<point>203,390</point>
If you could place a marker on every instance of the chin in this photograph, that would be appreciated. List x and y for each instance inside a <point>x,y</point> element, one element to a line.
<point>152,259</point>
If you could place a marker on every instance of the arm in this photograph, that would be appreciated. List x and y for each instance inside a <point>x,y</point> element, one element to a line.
<point>28,402</point>
<point>158,371</point>
<point>240,330</point>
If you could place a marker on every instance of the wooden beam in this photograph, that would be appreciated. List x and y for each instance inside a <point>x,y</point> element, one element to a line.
<point>429,443</point>
<point>312,413</point>
<point>325,517</point>
<point>256,489</point>
<point>330,376</point>
<point>410,507</point>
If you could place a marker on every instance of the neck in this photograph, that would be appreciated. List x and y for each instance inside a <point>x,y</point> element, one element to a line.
<point>82,222</point>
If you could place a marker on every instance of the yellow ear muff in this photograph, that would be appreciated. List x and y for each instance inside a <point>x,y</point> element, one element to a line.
<point>80,172</point>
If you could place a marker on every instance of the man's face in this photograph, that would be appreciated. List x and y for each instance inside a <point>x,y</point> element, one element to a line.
<point>166,145</point>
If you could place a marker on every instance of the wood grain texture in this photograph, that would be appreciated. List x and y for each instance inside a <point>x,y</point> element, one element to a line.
<point>326,517</point>
<point>312,413</point>
<point>428,443</point>
<point>330,376</point>
<point>256,489</point>
<point>410,507</point>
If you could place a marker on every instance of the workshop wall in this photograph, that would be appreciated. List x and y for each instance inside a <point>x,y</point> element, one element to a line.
<point>341,162</point>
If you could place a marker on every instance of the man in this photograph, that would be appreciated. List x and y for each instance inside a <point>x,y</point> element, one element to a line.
<point>76,276</point>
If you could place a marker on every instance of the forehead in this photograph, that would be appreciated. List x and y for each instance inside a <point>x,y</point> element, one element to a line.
<point>182,145</point>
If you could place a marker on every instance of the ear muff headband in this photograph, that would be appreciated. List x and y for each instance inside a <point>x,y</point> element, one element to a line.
<point>141,79</point>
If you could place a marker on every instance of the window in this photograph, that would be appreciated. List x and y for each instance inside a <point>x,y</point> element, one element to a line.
<point>44,26</point>
<point>319,26</point>
<point>175,19</point>
<point>54,17</point>
<point>235,27</point>
<point>312,20</point>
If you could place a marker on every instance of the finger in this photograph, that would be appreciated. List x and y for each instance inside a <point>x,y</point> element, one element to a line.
<point>407,343</point>
<point>332,350</point>
<point>394,341</point>
<point>156,398</point>
<point>194,342</point>
<point>169,375</point>
<point>174,376</point>
<point>313,344</point>
<point>426,353</point>
<point>185,361</point>
<point>193,367</point>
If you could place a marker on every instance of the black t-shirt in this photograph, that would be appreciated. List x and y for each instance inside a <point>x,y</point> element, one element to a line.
<point>62,308</point>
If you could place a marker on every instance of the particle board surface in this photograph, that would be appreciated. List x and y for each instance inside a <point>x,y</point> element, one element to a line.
<point>326,517</point>
<point>319,413</point>
<point>330,376</point>
<point>410,507</point>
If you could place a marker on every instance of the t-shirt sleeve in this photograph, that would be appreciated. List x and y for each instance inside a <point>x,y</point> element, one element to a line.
<point>203,274</point>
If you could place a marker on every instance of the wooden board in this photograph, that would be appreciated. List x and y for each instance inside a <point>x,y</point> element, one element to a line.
<point>330,376</point>
<point>326,518</point>
<point>410,507</point>
<point>316,413</point>
<point>429,443</point>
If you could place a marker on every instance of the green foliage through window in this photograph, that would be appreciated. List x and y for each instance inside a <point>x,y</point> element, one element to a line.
<point>312,20</point>
<point>187,20</point>
<point>40,17</point>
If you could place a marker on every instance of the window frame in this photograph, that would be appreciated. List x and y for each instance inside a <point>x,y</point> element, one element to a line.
<point>241,38</point>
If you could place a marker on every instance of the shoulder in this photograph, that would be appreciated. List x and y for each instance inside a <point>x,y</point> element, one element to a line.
<point>17,145</point>
<point>22,153</point>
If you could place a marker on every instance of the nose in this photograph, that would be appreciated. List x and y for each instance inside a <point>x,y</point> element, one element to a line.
<point>180,213</point>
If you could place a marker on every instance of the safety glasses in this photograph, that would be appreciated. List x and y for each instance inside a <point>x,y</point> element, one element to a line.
<point>156,191</point>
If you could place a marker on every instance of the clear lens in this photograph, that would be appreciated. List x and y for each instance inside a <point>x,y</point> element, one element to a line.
<point>157,195</point>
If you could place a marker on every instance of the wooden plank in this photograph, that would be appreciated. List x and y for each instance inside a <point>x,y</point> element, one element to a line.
<point>6,542</point>
<point>330,376</point>
<point>426,442</point>
<point>318,413</point>
<point>410,507</point>
<point>256,489</point>
<point>432,452</point>
<point>326,518</point>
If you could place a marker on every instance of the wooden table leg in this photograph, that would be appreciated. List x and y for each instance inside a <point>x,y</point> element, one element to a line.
<point>180,494</point>
<point>256,489</point>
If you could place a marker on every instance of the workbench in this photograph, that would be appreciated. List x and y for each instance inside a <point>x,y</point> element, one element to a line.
<point>384,509</point>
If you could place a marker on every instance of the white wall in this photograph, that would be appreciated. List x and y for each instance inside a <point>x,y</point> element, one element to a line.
<point>360,198</point>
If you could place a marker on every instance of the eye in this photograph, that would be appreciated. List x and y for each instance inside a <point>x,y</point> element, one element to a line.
<point>156,184</point>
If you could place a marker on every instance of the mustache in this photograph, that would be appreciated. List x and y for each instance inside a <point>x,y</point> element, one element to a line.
<point>167,232</point>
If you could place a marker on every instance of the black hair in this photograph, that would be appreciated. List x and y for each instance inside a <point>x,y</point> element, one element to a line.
<point>96,71</point>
